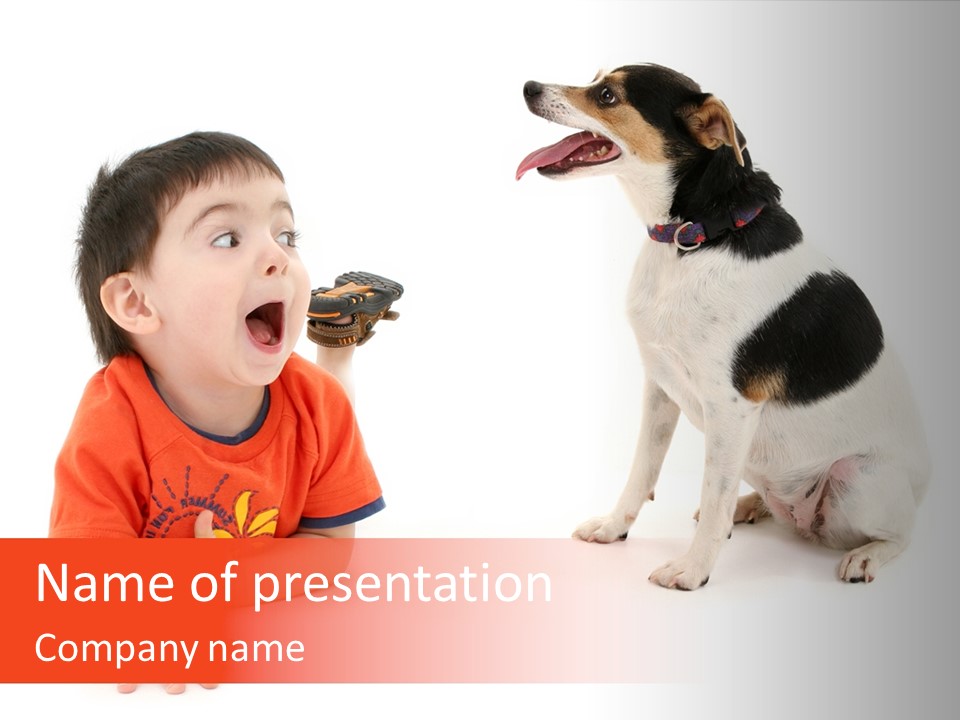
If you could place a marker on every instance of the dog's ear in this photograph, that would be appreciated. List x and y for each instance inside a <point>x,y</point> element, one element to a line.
<point>711,125</point>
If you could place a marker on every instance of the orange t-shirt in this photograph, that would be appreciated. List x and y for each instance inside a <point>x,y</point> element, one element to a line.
<point>131,468</point>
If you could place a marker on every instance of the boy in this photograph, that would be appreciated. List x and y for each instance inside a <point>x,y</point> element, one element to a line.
<point>203,422</point>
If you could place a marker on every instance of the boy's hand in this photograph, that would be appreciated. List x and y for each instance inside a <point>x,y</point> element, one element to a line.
<point>172,689</point>
<point>203,528</point>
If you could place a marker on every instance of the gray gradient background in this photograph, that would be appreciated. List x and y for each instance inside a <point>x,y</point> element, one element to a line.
<point>399,129</point>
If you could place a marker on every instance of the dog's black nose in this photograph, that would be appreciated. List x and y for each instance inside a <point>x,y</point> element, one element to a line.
<point>531,89</point>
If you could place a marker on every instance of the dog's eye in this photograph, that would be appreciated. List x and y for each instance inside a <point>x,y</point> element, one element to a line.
<point>607,96</point>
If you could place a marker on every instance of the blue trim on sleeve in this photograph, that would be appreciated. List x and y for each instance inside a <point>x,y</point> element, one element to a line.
<point>345,519</point>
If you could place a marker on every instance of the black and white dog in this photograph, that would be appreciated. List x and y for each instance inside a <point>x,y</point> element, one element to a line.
<point>770,350</point>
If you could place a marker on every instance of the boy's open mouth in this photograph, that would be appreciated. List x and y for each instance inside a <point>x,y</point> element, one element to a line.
<point>266,323</point>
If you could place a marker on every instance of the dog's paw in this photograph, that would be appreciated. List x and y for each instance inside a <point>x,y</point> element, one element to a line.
<point>681,574</point>
<point>750,509</point>
<point>858,566</point>
<point>604,529</point>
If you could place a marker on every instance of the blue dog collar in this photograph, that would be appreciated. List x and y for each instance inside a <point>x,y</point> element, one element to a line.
<point>690,235</point>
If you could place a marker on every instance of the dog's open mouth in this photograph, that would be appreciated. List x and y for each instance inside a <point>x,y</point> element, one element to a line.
<point>266,324</point>
<point>578,150</point>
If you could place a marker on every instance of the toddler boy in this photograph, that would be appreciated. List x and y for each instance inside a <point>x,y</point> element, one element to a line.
<point>203,421</point>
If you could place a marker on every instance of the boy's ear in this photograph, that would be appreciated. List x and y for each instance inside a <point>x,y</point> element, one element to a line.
<point>711,124</point>
<point>127,305</point>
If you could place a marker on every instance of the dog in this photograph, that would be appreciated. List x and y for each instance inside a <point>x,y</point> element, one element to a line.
<point>769,349</point>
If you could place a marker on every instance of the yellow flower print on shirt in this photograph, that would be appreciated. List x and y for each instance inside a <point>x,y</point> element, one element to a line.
<point>262,523</point>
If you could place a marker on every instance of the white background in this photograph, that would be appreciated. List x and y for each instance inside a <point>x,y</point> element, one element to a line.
<point>504,402</point>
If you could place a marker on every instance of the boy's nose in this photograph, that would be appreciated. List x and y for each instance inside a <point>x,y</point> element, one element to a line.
<point>275,260</point>
<point>275,268</point>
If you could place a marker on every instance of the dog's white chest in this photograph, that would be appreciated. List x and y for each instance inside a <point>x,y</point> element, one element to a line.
<point>682,324</point>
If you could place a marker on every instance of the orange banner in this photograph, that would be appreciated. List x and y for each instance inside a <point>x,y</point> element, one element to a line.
<point>315,610</point>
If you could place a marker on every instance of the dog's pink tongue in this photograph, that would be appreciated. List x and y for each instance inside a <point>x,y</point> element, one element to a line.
<point>553,153</point>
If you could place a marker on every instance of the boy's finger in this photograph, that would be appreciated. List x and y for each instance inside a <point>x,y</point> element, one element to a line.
<point>175,689</point>
<point>126,688</point>
<point>203,528</point>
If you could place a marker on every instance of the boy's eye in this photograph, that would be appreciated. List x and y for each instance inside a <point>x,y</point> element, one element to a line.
<point>288,238</point>
<point>227,240</point>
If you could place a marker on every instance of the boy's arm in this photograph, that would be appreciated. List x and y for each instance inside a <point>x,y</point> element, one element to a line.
<point>98,492</point>
<point>344,489</point>
<point>101,482</point>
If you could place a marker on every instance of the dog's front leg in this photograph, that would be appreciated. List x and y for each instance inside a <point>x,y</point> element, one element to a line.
<point>729,432</point>
<point>659,420</point>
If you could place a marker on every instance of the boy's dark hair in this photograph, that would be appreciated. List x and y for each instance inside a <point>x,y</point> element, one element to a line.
<point>125,207</point>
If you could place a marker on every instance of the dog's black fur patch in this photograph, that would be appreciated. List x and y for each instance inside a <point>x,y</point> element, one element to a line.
<point>822,339</point>
<point>710,183</point>
<point>772,231</point>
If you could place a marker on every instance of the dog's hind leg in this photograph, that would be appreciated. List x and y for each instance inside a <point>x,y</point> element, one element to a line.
<point>877,510</point>
<point>659,420</point>
<point>861,565</point>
